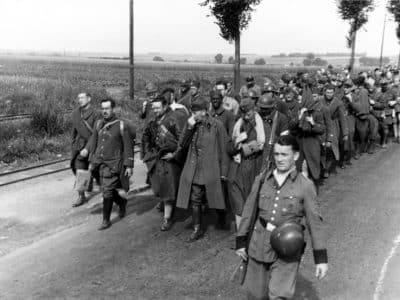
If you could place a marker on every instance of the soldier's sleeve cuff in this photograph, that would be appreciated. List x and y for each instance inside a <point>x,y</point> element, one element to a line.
<point>241,242</point>
<point>320,256</point>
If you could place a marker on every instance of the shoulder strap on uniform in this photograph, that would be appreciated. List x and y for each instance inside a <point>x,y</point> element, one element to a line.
<point>121,127</point>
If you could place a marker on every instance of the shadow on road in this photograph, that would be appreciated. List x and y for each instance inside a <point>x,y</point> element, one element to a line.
<point>305,289</point>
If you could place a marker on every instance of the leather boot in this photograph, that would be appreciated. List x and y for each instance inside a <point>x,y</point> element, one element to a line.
<point>107,207</point>
<point>371,147</point>
<point>221,221</point>
<point>90,186</point>
<point>196,216</point>
<point>121,202</point>
<point>81,199</point>
<point>166,224</point>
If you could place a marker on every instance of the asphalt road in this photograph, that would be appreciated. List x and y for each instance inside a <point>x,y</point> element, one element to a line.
<point>51,251</point>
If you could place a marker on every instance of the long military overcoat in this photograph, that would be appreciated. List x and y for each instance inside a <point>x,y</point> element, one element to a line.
<point>215,159</point>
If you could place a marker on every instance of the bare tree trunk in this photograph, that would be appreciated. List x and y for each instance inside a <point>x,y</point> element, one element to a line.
<point>237,65</point>
<point>353,49</point>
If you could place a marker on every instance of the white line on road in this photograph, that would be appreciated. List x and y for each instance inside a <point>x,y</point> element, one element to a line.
<point>379,285</point>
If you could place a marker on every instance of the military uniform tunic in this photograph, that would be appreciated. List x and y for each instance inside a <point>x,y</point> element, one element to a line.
<point>113,153</point>
<point>268,202</point>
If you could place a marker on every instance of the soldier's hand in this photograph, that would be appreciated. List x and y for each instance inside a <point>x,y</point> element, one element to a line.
<point>91,167</point>
<point>328,144</point>
<point>242,253</point>
<point>191,121</point>
<point>84,152</point>
<point>223,178</point>
<point>128,172</point>
<point>168,156</point>
<point>310,120</point>
<point>321,270</point>
<point>144,105</point>
<point>345,138</point>
<point>302,111</point>
<point>372,102</point>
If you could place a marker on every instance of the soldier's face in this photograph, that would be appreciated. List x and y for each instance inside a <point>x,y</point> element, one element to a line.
<point>285,157</point>
<point>83,100</point>
<point>193,90</point>
<point>158,108</point>
<point>106,110</point>
<point>216,102</point>
<point>329,94</point>
<point>289,97</point>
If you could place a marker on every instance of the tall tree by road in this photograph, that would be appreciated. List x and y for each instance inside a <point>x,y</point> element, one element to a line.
<point>394,8</point>
<point>232,17</point>
<point>356,13</point>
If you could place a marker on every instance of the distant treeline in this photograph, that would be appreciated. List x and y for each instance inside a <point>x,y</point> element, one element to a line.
<point>299,54</point>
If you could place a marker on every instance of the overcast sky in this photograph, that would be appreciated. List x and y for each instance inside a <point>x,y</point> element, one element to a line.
<point>182,26</point>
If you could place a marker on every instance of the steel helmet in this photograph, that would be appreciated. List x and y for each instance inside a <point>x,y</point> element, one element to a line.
<point>288,240</point>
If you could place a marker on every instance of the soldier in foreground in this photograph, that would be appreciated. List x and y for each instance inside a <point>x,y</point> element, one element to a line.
<point>84,118</point>
<point>113,157</point>
<point>279,199</point>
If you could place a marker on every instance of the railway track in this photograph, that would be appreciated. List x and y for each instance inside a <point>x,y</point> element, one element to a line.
<point>24,174</point>
<point>8,118</point>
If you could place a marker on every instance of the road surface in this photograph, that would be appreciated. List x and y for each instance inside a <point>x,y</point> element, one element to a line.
<point>51,251</point>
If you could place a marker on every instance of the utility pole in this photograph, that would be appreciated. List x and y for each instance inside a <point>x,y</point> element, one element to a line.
<point>131,67</point>
<point>383,39</point>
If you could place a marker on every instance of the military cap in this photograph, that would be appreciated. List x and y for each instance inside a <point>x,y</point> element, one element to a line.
<point>266,101</point>
<point>270,88</point>
<point>151,88</point>
<point>348,83</point>
<point>249,78</point>
<point>253,94</point>
<point>200,103</point>
<point>246,105</point>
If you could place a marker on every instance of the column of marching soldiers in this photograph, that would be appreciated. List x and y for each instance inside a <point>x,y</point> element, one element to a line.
<point>203,149</point>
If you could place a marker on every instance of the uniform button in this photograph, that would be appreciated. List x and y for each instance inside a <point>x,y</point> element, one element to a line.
<point>255,227</point>
<point>278,192</point>
<point>272,218</point>
<point>277,198</point>
<point>274,211</point>
<point>275,205</point>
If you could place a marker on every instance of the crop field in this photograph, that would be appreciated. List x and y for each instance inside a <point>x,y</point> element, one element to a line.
<point>48,86</point>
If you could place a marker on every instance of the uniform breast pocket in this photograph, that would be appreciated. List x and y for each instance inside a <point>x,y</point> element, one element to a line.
<point>265,202</point>
<point>292,206</point>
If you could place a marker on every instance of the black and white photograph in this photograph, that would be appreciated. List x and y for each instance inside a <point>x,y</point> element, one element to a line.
<point>200,149</point>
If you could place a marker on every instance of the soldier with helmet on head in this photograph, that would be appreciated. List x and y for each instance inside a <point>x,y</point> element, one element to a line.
<point>275,123</point>
<point>270,232</point>
<point>250,85</point>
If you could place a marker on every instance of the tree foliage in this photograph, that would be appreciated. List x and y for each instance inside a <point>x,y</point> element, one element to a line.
<point>231,60</point>
<point>218,58</point>
<point>260,61</point>
<point>232,15</point>
<point>356,12</point>
<point>394,8</point>
<point>158,58</point>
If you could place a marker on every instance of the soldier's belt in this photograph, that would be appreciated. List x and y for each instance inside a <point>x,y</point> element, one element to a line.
<point>267,225</point>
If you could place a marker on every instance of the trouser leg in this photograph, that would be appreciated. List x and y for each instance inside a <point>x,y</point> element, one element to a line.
<point>197,195</point>
<point>257,280</point>
<point>282,282</point>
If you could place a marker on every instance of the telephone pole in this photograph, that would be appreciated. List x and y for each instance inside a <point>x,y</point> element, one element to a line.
<point>131,67</point>
<point>383,40</point>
